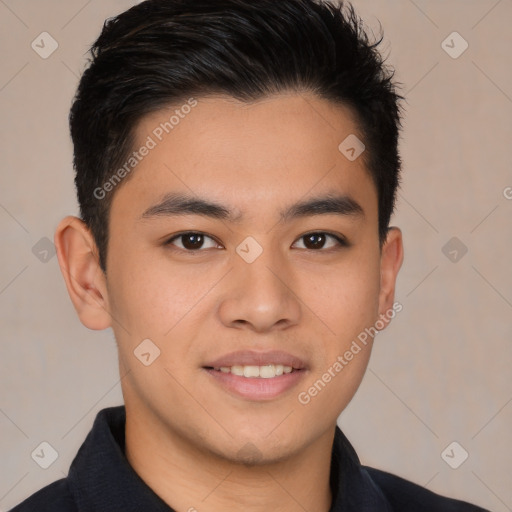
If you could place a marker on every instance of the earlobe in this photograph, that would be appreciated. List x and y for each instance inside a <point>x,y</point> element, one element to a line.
<point>85,280</point>
<point>392,256</point>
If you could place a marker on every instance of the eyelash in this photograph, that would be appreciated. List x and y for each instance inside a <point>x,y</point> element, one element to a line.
<point>342,242</point>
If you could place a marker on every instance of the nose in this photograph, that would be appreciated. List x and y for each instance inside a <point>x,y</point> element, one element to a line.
<point>260,296</point>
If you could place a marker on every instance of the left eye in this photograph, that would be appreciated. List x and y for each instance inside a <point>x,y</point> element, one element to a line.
<point>193,241</point>
<point>318,240</point>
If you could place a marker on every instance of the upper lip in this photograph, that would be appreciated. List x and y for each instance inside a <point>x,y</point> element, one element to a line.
<point>252,358</point>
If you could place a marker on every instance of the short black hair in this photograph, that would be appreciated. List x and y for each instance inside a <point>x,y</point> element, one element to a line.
<point>161,52</point>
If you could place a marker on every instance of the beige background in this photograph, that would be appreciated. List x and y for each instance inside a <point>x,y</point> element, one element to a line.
<point>440,373</point>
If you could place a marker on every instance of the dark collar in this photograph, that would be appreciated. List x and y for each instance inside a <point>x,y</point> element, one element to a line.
<point>101,479</point>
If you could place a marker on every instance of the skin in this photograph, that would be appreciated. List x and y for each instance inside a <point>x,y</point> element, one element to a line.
<point>185,435</point>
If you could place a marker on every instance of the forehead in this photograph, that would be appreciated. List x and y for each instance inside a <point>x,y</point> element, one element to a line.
<point>244,154</point>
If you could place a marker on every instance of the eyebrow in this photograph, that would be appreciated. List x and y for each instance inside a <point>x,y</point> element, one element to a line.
<point>180,204</point>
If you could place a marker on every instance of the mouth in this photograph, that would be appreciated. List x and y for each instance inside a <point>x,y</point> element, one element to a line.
<point>255,388</point>
<point>256,376</point>
<point>268,371</point>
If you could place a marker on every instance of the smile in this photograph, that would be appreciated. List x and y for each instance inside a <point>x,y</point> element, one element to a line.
<point>267,371</point>
<point>256,383</point>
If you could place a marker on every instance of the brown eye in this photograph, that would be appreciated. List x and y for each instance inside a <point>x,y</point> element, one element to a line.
<point>315,240</point>
<point>192,241</point>
<point>320,240</point>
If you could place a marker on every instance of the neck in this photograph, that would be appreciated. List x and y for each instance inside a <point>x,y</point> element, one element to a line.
<point>191,479</point>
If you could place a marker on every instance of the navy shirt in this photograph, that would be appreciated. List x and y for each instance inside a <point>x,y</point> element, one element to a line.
<point>100,479</point>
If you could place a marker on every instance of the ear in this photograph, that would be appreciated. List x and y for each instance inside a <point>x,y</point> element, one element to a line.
<point>392,255</point>
<point>79,263</point>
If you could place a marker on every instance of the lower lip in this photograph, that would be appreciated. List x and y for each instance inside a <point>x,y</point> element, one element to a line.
<point>256,388</point>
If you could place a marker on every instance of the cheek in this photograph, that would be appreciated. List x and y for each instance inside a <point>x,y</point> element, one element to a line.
<point>347,303</point>
<point>141,294</point>
<point>153,299</point>
<point>149,301</point>
<point>345,296</point>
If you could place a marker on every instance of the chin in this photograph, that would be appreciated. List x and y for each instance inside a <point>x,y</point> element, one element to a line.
<point>252,455</point>
<point>260,448</point>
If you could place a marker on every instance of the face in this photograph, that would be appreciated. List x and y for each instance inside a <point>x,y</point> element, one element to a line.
<point>245,242</point>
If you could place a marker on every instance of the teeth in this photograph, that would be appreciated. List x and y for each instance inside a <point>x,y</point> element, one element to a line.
<point>250,371</point>
<point>237,370</point>
<point>267,372</point>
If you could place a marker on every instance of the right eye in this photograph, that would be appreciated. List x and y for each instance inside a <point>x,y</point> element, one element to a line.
<point>192,241</point>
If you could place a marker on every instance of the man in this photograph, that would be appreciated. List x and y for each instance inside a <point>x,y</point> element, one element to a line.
<point>236,168</point>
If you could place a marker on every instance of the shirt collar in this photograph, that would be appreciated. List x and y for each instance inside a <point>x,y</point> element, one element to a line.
<point>102,480</point>
<point>352,487</point>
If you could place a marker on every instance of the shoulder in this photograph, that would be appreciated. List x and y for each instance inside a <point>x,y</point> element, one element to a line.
<point>404,495</point>
<point>55,497</point>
